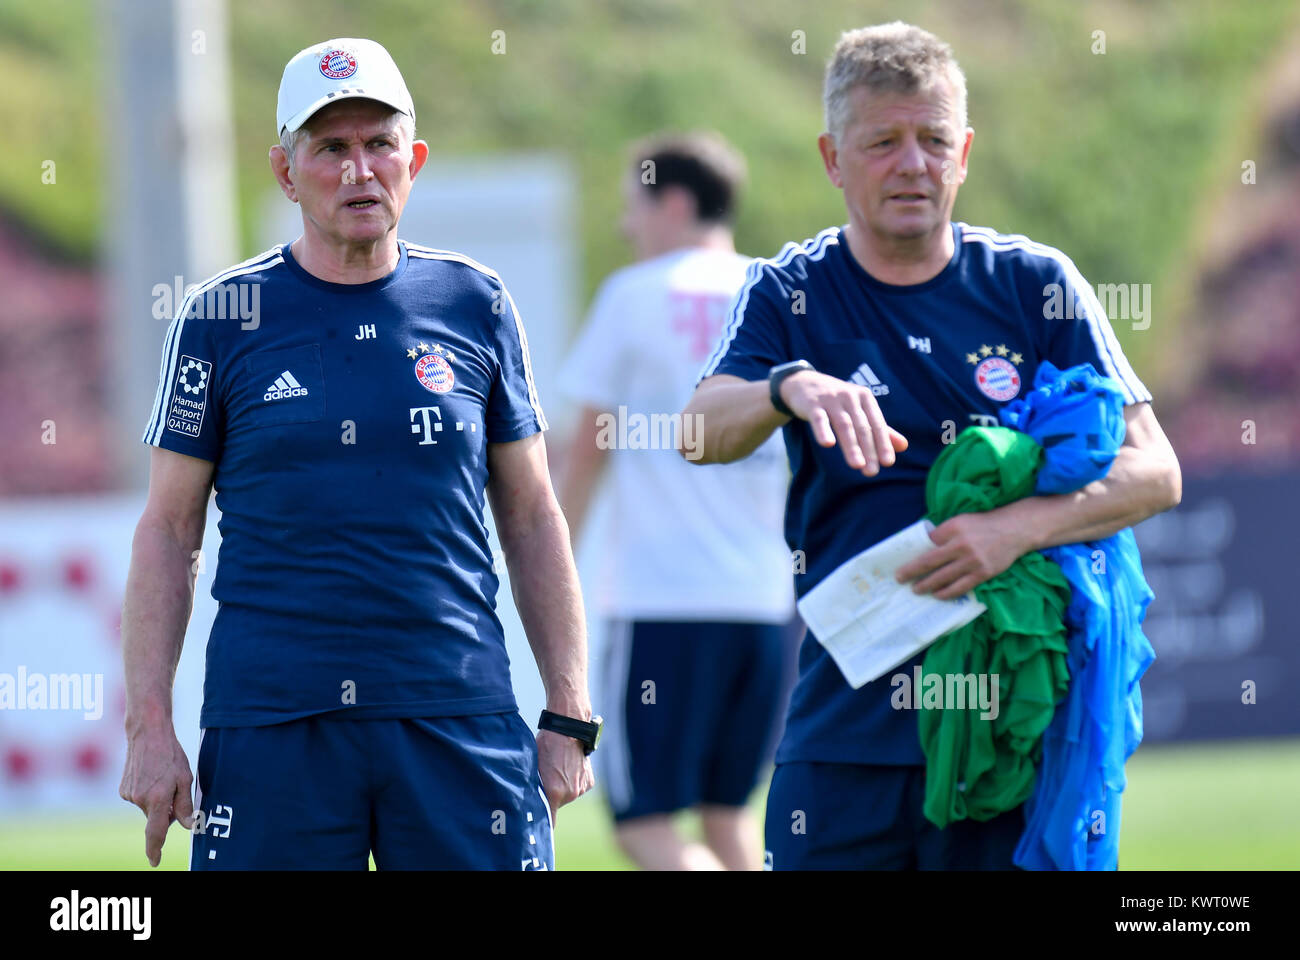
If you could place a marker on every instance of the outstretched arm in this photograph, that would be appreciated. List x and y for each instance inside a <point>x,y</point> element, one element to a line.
<point>737,415</point>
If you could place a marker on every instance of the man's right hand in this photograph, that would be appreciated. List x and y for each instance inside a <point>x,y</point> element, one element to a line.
<point>847,414</point>
<point>157,780</point>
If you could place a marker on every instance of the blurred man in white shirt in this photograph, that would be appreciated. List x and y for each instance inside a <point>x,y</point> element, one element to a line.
<point>696,582</point>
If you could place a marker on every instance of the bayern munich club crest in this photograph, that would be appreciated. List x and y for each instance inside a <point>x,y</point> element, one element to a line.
<point>995,371</point>
<point>433,367</point>
<point>338,64</point>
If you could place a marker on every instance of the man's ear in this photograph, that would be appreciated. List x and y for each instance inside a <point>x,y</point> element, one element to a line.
<point>965,152</point>
<point>279,161</point>
<point>419,154</point>
<point>830,158</point>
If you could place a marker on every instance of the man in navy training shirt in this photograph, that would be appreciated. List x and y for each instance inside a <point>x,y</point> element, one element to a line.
<point>357,699</point>
<point>871,346</point>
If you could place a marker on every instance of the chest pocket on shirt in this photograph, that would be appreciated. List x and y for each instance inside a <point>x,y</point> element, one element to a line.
<point>286,386</point>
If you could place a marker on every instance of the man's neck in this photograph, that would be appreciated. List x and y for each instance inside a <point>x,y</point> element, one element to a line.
<point>346,263</point>
<point>717,237</point>
<point>901,262</point>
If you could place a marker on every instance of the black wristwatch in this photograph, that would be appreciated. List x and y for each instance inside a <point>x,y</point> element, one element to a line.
<point>776,376</point>
<point>588,734</point>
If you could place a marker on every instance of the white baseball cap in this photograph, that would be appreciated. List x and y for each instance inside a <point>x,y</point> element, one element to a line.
<point>338,70</point>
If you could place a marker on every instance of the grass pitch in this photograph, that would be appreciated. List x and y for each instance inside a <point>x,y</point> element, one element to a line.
<point>1221,806</point>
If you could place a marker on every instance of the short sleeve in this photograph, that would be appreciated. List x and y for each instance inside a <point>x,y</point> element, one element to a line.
<point>754,336</point>
<point>188,416</point>
<point>595,369</point>
<point>1078,330</point>
<point>513,410</point>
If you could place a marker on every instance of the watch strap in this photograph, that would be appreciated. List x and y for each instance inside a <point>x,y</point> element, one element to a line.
<point>777,375</point>
<point>582,730</point>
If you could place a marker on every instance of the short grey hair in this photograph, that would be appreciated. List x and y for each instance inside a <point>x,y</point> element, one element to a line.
<point>291,141</point>
<point>888,58</point>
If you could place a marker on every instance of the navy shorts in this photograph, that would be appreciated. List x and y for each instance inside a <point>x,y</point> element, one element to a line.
<point>325,792</point>
<point>845,816</point>
<point>692,712</point>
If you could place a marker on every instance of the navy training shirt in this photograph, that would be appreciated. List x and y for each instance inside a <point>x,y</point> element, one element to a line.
<point>939,356</point>
<point>348,426</point>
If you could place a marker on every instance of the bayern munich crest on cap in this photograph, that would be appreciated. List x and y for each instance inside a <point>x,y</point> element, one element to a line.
<point>997,379</point>
<point>338,64</point>
<point>338,69</point>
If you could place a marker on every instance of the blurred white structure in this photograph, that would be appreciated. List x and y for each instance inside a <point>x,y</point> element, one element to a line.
<point>171,193</point>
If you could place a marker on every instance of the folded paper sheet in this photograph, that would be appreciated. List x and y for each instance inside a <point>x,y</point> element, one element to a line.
<point>870,623</point>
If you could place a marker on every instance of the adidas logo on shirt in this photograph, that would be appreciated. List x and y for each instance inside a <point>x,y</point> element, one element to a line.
<point>864,377</point>
<point>285,386</point>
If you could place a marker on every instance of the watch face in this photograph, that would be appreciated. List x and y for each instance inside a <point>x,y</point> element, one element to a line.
<point>600,728</point>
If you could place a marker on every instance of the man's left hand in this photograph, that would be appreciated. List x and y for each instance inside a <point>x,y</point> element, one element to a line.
<point>970,548</point>
<point>564,768</point>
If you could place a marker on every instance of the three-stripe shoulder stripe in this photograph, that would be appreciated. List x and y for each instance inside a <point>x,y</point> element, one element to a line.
<point>814,249</point>
<point>1103,335</point>
<point>430,253</point>
<point>434,253</point>
<point>172,342</point>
